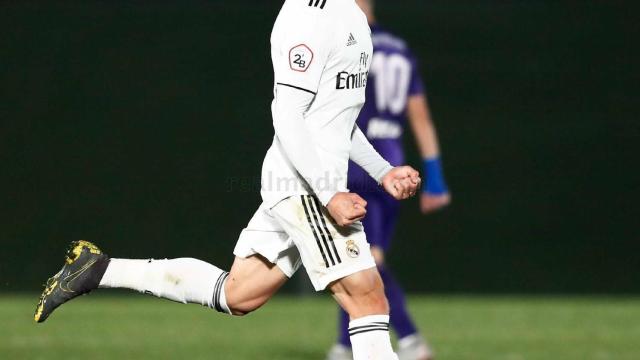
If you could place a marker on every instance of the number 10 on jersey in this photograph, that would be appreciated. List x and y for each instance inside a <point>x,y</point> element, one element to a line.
<point>392,74</point>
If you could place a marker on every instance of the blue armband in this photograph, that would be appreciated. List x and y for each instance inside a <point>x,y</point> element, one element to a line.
<point>434,178</point>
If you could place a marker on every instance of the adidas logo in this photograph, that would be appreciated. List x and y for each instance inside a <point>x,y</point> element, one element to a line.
<point>351,40</point>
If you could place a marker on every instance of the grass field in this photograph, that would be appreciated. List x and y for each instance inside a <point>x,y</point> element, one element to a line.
<point>136,327</point>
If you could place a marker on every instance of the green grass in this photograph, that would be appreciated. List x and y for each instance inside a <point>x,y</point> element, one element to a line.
<point>137,327</point>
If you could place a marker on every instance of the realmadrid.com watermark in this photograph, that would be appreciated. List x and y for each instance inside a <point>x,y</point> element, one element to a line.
<point>271,182</point>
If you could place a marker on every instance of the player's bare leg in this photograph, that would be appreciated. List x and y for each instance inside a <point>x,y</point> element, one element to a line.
<point>361,295</point>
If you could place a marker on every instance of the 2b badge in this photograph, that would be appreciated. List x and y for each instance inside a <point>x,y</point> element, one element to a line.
<point>300,58</point>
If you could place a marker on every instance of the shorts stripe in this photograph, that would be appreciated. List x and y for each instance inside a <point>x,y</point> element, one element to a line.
<point>317,214</point>
<point>313,229</point>
<point>326,229</point>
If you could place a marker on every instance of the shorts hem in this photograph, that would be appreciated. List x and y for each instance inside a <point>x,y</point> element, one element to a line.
<point>322,282</point>
<point>287,268</point>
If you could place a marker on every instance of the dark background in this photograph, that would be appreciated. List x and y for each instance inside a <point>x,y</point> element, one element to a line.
<point>142,126</point>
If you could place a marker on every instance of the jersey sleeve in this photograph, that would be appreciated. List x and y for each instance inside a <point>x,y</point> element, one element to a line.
<point>300,53</point>
<point>416,86</point>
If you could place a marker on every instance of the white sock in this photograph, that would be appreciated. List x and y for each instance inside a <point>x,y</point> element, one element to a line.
<point>184,280</point>
<point>370,338</point>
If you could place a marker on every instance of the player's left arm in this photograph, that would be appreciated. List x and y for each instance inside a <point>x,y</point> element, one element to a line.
<point>401,181</point>
<point>435,193</point>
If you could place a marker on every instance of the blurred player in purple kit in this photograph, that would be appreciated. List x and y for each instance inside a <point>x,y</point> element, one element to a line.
<point>394,93</point>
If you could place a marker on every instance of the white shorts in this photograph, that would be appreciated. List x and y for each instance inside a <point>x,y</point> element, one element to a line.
<point>298,230</point>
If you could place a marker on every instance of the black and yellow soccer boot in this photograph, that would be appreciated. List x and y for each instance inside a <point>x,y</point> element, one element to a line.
<point>84,267</point>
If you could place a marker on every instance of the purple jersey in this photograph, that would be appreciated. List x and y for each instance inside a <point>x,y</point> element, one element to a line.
<point>393,77</point>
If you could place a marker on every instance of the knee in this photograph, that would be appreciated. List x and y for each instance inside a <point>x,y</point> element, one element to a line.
<point>363,294</point>
<point>373,303</point>
<point>369,300</point>
<point>375,299</point>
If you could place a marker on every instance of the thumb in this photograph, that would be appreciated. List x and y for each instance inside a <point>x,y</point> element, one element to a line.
<point>392,188</point>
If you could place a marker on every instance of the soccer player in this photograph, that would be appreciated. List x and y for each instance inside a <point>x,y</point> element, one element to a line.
<point>321,52</point>
<point>394,93</point>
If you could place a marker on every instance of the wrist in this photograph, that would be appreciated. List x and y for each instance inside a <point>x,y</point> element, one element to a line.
<point>383,173</point>
<point>434,176</point>
<point>325,196</point>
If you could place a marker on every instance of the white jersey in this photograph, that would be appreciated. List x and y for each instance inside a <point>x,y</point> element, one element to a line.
<point>321,47</point>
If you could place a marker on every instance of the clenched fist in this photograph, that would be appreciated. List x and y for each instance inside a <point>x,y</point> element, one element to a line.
<point>346,208</point>
<point>401,182</point>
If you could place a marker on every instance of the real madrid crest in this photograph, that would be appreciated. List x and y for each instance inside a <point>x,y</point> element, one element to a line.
<point>352,249</point>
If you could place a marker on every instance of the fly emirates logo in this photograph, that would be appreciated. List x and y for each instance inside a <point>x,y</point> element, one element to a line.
<point>347,80</point>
